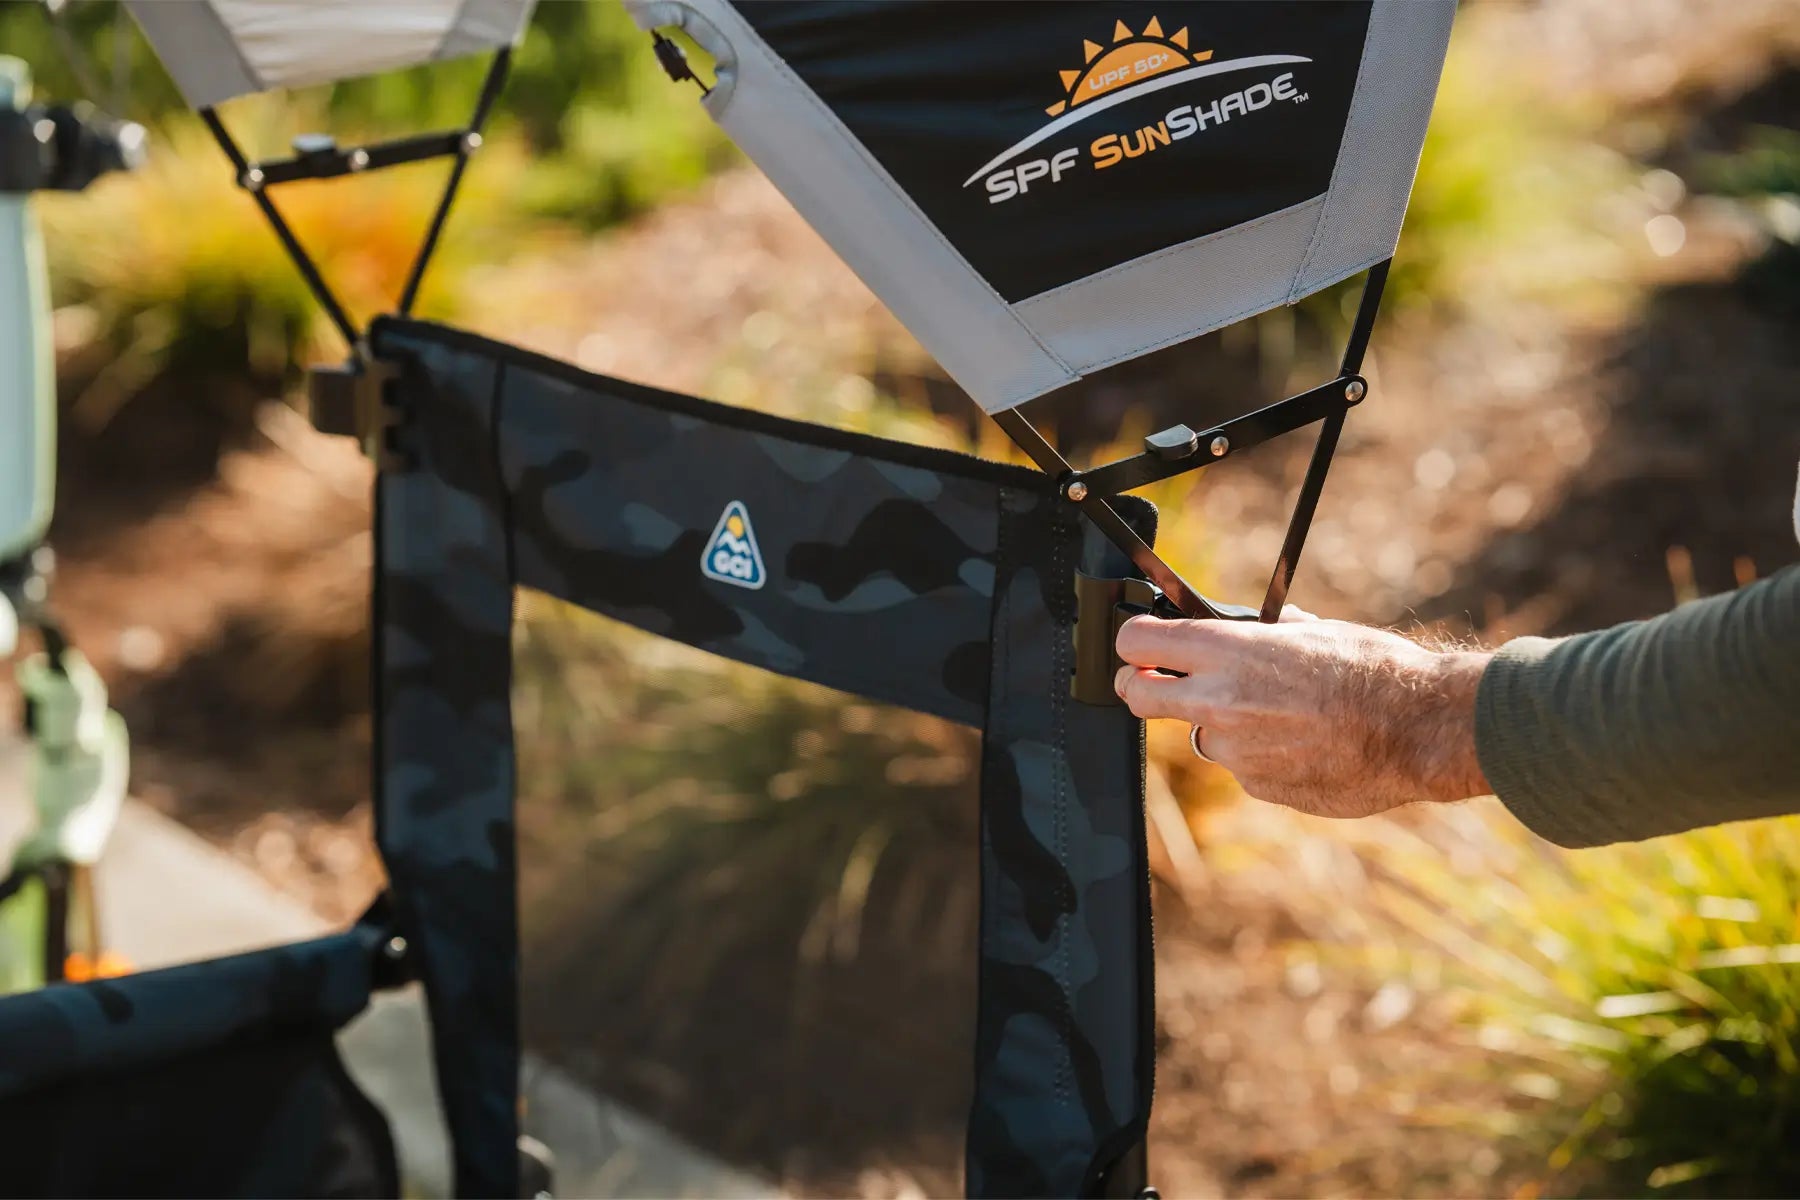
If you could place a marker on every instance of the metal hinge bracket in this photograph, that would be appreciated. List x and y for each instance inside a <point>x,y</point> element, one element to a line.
<point>356,399</point>
<point>1101,606</point>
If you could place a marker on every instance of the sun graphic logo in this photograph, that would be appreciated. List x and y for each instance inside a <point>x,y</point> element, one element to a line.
<point>731,553</point>
<point>1134,57</point>
<point>1135,64</point>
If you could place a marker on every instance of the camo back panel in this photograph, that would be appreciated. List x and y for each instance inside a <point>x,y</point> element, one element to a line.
<point>860,563</point>
<point>57,1034</point>
<point>216,1078</point>
<point>1063,1043</point>
<point>444,751</point>
<point>914,577</point>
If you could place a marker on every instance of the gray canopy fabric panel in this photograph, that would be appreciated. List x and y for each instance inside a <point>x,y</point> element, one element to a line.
<point>1201,162</point>
<point>217,49</point>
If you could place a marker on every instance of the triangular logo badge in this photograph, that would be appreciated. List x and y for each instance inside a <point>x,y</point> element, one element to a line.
<point>731,552</point>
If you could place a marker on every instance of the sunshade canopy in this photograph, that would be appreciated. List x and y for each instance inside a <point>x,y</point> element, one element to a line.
<point>1039,191</point>
<point>217,49</point>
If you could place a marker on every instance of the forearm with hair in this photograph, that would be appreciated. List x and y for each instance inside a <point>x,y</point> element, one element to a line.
<point>1691,718</point>
<point>1417,720</point>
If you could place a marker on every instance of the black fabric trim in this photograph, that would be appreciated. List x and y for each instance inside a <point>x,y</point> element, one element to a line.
<point>983,843</point>
<point>1126,1153</point>
<point>930,458</point>
<point>378,656</point>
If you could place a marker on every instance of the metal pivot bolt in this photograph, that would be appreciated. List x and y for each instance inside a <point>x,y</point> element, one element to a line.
<point>1077,491</point>
<point>471,142</point>
<point>1220,446</point>
<point>359,160</point>
<point>253,179</point>
<point>1355,390</point>
<point>395,948</point>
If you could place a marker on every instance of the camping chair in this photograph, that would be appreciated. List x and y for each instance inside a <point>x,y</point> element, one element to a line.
<point>1257,154</point>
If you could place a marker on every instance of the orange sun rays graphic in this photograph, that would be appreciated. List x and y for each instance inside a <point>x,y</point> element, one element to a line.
<point>1132,58</point>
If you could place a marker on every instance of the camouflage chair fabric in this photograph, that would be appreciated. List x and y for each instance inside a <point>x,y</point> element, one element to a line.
<point>217,1078</point>
<point>914,577</point>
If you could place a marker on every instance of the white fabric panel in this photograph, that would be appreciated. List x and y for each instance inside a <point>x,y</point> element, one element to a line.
<point>857,207</point>
<point>217,49</point>
<point>1379,156</point>
<point>290,43</point>
<point>1174,294</point>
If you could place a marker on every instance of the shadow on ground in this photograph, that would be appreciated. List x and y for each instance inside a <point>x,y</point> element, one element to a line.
<point>1698,455</point>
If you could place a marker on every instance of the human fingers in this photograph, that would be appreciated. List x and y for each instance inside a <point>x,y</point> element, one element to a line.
<point>1150,693</point>
<point>1186,646</point>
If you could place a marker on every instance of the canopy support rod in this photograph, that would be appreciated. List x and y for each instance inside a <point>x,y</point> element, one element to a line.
<point>332,161</point>
<point>1306,504</point>
<point>1106,518</point>
<point>251,181</point>
<point>466,145</point>
<point>1179,450</point>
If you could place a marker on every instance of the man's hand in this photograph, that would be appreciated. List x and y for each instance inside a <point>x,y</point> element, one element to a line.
<point>1330,718</point>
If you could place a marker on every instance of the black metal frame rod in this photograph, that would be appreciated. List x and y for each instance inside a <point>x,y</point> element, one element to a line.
<point>1223,440</point>
<point>1306,504</point>
<point>466,145</point>
<point>257,178</point>
<point>252,183</point>
<point>355,160</point>
<point>1107,519</point>
<point>1329,402</point>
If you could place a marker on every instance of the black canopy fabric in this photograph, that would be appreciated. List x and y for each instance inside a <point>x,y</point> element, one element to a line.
<point>1042,190</point>
<point>914,577</point>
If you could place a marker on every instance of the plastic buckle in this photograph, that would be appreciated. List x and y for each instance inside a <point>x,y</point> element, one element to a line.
<point>1101,606</point>
<point>354,399</point>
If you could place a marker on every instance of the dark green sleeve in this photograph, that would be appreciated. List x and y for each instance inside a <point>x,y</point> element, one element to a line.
<point>1689,719</point>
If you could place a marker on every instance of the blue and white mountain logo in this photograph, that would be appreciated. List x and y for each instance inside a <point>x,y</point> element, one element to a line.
<point>731,554</point>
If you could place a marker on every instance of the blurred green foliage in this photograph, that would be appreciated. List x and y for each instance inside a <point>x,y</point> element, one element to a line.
<point>1640,1001</point>
<point>1765,173</point>
<point>1767,165</point>
<point>681,805</point>
<point>610,134</point>
<point>172,271</point>
<point>588,132</point>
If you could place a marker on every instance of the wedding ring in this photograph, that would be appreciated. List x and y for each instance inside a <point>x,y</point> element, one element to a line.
<point>1194,741</point>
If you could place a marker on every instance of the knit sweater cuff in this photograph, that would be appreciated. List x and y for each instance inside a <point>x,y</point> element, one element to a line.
<point>1517,743</point>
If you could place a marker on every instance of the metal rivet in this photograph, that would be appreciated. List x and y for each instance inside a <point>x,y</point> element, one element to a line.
<point>1355,390</point>
<point>359,160</point>
<point>395,949</point>
<point>253,178</point>
<point>471,142</point>
<point>1076,491</point>
<point>1220,445</point>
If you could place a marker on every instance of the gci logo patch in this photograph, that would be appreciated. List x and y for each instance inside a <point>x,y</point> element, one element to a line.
<point>731,554</point>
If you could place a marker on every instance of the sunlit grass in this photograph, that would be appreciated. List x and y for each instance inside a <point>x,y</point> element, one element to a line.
<point>178,269</point>
<point>1641,1002</point>
<point>708,804</point>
